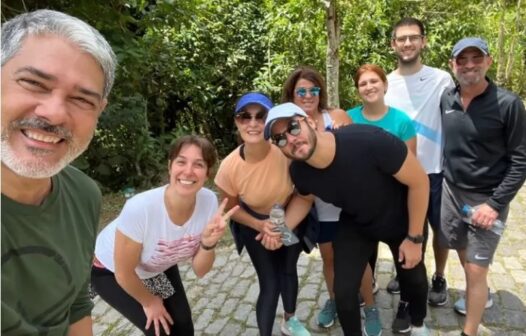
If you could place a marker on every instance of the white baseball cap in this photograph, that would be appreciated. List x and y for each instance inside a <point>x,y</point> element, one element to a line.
<point>286,110</point>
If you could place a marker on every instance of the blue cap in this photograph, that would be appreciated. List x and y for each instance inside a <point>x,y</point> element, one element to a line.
<point>470,42</point>
<point>253,98</point>
<point>287,110</point>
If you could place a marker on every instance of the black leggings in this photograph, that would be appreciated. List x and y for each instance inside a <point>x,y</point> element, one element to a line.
<point>374,257</point>
<point>104,283</point>
<point>352,250</point>
<point>277,274</point>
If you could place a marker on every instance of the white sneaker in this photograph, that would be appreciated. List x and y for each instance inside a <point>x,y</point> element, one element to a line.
<point>420,331</point>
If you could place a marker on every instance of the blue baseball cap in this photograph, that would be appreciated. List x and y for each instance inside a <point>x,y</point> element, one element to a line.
<point>470,42</point>
<point>253,98</point>
<point>287,110</point>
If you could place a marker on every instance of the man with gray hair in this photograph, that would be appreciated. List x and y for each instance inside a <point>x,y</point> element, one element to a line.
<point>484,167</point>
<point>57,72</point>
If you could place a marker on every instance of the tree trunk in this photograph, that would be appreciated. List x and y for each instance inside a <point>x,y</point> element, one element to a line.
<point>333,59</point>
<point>511,52</point>
<point>501,53</point>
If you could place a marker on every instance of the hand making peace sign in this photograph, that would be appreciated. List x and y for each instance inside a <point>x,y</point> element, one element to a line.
<point>215,228</point>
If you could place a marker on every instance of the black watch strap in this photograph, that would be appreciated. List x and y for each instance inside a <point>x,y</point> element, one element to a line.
<point>418,239</point>
<point>206,247</point>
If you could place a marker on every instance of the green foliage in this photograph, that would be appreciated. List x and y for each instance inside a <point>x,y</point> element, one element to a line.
<point>183,64</point>
<point>296,36</point>
<point>122,151</point>
<point>219,55</point>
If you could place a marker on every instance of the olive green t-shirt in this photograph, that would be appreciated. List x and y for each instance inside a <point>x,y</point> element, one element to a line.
<point>47,252</point>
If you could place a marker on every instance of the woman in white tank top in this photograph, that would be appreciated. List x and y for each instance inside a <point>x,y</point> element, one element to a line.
<point>306,88</point>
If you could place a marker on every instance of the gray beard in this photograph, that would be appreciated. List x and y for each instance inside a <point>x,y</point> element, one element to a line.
<point>37,167</point>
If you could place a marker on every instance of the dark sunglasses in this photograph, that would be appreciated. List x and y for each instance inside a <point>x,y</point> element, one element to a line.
<point>302,92</point>
<point>293,128</point>
<point>246,117</point>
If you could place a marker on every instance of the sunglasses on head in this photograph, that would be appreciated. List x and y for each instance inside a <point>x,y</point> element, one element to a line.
<point>246,117</point>
<point>293,128</point>
<point>302,92</point>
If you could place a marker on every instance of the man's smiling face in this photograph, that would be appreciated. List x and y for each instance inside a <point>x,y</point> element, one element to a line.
<point>52,96</point>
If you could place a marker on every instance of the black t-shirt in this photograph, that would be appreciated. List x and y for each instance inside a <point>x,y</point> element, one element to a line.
<point>360,178</point>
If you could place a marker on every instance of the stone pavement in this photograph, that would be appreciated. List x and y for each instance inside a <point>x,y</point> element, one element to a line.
<point>223,302</point>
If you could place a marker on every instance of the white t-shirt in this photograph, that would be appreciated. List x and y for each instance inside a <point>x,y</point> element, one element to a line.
<point>144,219</point>
<point>418,95</point>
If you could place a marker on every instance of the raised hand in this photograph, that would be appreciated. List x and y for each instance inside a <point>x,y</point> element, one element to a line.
<point>215,228</point>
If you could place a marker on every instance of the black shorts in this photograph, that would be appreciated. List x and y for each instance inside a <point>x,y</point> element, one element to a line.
<point>327,232</point>
<point>435,196</point>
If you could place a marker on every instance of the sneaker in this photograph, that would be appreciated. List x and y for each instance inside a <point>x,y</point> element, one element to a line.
<point>293,327</point>
<point>460,305</point>
<point>393,286</point>
<point>327,315</point>
<point>438,291</point>
<point>372,325</point>
<point>420,331</point>
<point>402,321</point>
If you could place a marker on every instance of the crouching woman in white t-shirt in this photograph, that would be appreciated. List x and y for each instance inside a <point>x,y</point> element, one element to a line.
<point>136,255</point>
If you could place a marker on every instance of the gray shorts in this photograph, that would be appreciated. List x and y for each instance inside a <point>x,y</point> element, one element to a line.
<point>480,244</point>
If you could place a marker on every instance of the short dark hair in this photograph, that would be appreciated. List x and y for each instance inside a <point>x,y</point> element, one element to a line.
<point>369,67</point>
<point>207,149</point>
<point>408,21</point>
<point>310,74</point>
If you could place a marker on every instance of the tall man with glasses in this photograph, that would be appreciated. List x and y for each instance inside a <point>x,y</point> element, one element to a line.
<point>484,167</point>
<point>416,89</point>
<point>57,73</point>
<point>382,191</point>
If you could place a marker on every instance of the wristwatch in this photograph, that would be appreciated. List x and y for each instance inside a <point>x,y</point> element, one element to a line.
<point>206,247</point>
<point>418,239</point>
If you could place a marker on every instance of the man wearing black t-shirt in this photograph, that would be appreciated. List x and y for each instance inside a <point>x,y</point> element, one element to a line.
<point>382,190</point>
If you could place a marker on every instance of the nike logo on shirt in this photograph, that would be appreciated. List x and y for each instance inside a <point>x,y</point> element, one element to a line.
<point>448,111</point>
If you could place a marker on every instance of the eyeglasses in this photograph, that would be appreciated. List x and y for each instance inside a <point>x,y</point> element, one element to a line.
<point>463,60</point>
<point>412,38</point>
<point>245,117</point>
<point>302,92</point>
<point>280,139</point>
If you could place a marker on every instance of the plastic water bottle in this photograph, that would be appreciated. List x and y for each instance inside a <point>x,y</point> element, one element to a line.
<point>277,217</point>
<point>128,192</point>
<point>497,227</point>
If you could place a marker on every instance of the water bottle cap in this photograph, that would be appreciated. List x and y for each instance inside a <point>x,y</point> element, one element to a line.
<point>128,192</point>
<point>465,209</point>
